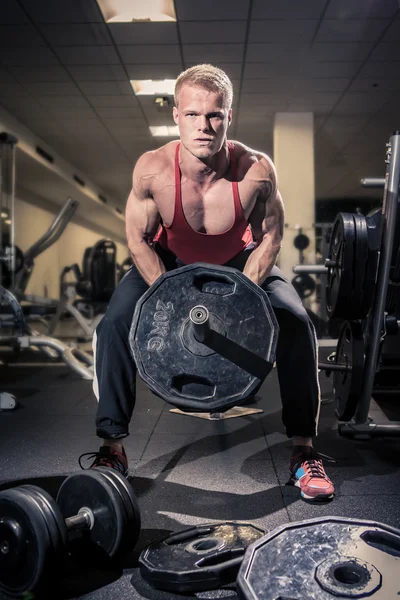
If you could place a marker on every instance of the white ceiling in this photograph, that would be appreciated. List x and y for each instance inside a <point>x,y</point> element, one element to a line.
<point>65,75</point>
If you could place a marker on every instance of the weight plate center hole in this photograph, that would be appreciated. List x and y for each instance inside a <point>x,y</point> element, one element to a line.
<point>205,545</point>
<point>349,574</point>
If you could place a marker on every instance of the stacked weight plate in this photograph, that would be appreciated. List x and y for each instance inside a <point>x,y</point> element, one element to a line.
<point>352,263</point>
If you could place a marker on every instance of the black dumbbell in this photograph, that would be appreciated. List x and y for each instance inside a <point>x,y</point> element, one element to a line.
<point>97,505</point>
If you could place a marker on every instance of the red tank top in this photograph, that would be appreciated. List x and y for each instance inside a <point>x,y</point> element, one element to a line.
<point>189,245</point>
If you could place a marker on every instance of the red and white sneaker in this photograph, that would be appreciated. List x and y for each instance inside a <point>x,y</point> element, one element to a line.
<point>308,473</point>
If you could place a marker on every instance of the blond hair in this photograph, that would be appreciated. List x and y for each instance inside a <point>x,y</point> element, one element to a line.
<point>209,78</point>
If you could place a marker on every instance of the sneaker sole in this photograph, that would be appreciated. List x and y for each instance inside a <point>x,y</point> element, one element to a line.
<point>317,498</point>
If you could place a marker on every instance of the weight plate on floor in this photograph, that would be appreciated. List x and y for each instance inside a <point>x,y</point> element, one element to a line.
<point>133,522</point>
<point>350,351</point>
<point>341,266</point>
<point>91,489</point>
<point>322,559</point>
<point>198,559</point>
<point>26,547</point>
<point>51,514</point>
<point>224,369</point>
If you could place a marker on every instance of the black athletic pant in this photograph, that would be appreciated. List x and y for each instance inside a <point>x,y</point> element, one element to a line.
<point>296,357</point>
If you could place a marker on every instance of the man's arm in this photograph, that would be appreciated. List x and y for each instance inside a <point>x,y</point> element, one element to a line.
<point>142,220</point>
<point>267,220</point>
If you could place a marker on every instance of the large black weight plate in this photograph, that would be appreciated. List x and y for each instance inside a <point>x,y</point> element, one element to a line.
<point>27,550</point>
<point>133,521</point>
<point>230,364</point>
<point>359,308</point>
<point>341,268</point>
<point>323,559</point>
<point>347,385</point>
<point>198,559</point>
<point>92,489</point>
<point>349,285</point>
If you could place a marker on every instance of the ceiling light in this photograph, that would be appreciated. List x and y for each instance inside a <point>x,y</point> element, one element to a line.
<point>148,87</point>
<point>165,131</point>
<point>128,11</point>
<point>7,221</point>
<point>4,214</point>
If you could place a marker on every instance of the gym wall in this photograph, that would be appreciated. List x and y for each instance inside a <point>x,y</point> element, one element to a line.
<point>30,224</point>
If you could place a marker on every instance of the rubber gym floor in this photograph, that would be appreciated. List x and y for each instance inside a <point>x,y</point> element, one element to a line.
<point>186,471</point>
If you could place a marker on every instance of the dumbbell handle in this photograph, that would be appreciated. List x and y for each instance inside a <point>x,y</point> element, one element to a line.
<point>83,520</point>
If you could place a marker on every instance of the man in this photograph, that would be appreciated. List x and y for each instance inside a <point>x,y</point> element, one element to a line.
<point>217,202</point>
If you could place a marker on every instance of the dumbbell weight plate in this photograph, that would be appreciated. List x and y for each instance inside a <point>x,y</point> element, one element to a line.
<point>131,506</point>
<point>93,490</point>
<point>26,548</point>
<point>51,514</point>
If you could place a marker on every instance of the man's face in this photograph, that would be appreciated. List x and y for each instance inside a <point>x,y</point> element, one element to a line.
<point>202,119</point>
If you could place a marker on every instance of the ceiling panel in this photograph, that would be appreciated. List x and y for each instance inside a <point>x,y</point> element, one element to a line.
<point>280,30</point>
<point>39,74</point>
<point>276,53</point>
<point>324,84</point>
<point>118,124</point>
<point>13,90</point>
<point>61,88</point>
<point>314,68</point>
<point>351,30</point>
<point>210,10</point>
<point>386,51</point>
<point>269,69</point>
<point>34,56</point>
<point>311,9</point>
<point>62,113</point>
<point>154,54</point>
<point>361,103</point>
<point>73,11</point>
<point>105,88</point>
<point>122,112</point>
<point>156,71</point>
<point>97,72</point>
<point>360,9</point>
<point>366,84</point>
<point>11,13</point>
<point>20,35</point>
<point>76,34</point>
<point>6,76</point>
<point>87,55</point>
<point>69,102</point>
<point>393,33</point>
<point>321,52</point>
<point>213,53</point>
<point>113,101</point>
<point>214,32</point>
<point>269,86</point>
<point>379,69</point>
<point>144,33</point>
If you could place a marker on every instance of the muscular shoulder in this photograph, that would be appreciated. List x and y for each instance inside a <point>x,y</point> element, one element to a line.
<point>152,168</point>
<point>256,167</point>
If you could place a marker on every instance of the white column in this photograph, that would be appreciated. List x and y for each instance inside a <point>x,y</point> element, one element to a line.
<point>294,161</point>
